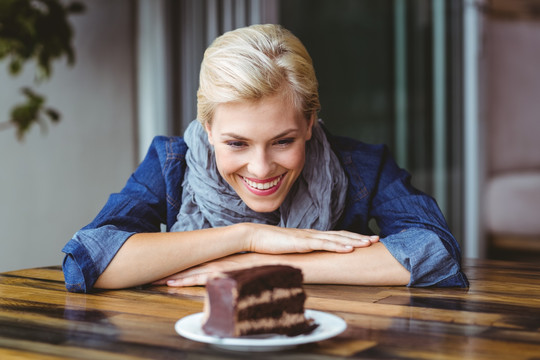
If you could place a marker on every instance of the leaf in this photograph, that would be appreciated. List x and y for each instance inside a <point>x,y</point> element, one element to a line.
<point>28,113</point>
<point>53,115</point>
<point>23,116</point>
<point>15,67</point>
<point>33,97</point>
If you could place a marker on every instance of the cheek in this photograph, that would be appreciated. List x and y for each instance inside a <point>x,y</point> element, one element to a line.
<point>226,164</point>
<point>294,159</point>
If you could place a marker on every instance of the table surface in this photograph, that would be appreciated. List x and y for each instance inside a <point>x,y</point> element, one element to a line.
<point>497,317</point>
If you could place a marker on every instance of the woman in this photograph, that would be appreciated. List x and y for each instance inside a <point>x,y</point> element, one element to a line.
<point>257,180</point>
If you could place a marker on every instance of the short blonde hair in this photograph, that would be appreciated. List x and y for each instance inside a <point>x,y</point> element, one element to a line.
<point>254,62</point>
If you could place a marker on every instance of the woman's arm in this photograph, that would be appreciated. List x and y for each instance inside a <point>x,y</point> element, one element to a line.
<point>411,226</point>
<point>147,257</point>
<point>372,265</point>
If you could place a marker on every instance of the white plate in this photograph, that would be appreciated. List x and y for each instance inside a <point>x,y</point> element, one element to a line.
<point>329,326</point>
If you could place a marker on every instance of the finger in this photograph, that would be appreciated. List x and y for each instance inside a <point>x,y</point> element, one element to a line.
<point>336,243</point>
<point>194,280</point>
<point>328,245</point>
<point>355,236</point>
<point>346,241</point>
<point>343,234</point>
<point>164,280</point>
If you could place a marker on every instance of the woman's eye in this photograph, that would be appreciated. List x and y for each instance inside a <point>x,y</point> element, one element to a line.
<point>236,144</point>
<point>284,142</point>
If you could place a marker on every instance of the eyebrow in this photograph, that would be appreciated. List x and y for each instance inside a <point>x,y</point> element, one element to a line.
<point>280,135</point>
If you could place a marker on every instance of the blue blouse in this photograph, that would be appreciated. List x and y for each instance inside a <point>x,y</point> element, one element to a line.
<point>411,225</point>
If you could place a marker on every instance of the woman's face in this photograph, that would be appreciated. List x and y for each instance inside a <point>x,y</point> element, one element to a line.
<point>260,149</point>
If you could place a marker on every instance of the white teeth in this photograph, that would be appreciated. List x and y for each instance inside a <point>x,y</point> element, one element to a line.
<point>262,186</point>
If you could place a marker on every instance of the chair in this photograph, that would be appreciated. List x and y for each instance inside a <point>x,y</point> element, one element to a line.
<point>511,197</point>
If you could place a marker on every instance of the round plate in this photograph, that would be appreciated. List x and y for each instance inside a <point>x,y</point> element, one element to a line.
<point>329,326</point>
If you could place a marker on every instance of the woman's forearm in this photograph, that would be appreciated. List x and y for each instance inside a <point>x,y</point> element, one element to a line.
<point>373,265</point>
<point>146,257</point>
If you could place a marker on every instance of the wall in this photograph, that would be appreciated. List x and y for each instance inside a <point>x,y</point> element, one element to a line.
<point>56,181</point>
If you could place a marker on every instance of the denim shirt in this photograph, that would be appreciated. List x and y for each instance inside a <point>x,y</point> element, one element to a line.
<point>411,225</point>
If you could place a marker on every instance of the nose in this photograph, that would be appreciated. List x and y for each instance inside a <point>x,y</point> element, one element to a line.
<point>260,164</point>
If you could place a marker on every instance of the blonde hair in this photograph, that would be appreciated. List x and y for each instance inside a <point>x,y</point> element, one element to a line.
<point>254,62</point>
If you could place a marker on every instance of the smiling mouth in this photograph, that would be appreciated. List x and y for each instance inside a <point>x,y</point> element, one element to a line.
<point>263,185</point>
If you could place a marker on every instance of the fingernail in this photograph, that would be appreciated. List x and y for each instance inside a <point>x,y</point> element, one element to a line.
<point>374,237</point>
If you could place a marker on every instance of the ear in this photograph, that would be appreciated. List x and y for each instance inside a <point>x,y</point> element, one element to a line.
<point>311,123</point>
<point>209,133</point>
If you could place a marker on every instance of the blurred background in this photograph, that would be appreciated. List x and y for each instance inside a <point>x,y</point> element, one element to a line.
<point>452,87</point>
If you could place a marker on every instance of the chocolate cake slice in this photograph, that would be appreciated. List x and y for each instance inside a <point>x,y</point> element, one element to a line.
<point>260,300</point>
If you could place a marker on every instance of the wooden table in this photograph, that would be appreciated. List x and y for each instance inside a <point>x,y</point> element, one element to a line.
<point>498,317</point>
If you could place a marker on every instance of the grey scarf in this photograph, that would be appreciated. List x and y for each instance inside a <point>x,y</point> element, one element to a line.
<point>315,201</point>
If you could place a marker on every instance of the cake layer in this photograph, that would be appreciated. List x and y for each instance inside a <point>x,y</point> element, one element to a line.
<point>288,324</point>
<point>273,309</point>
<point>268,296</point>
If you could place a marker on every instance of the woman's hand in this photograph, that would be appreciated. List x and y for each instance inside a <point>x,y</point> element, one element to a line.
<point>198,275</point>
<point>270,239</point>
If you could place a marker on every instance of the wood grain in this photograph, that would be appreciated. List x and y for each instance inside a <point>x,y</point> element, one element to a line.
<point>498,317</point>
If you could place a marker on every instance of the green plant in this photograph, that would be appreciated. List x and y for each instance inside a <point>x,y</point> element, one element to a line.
<point>35,30</point>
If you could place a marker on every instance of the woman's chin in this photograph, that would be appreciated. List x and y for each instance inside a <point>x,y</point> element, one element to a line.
<point>262,208</point>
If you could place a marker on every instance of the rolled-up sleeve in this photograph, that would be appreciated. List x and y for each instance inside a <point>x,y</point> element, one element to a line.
<point>423,254</point>
<point>415,231</point>
<point>88,254</point>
